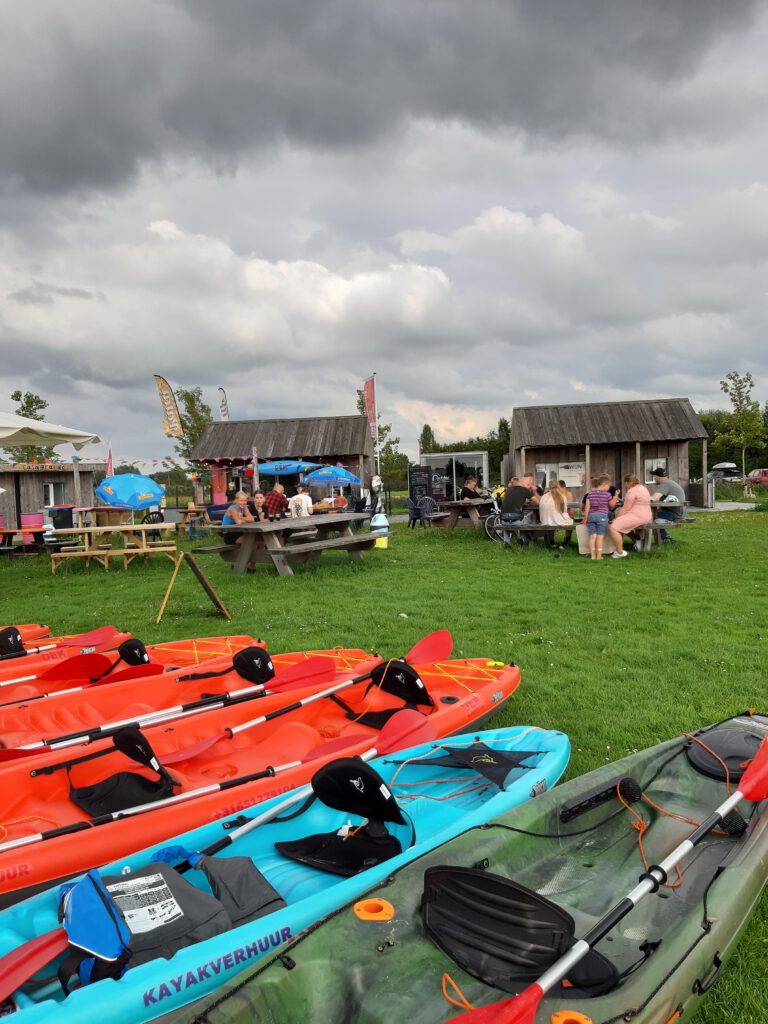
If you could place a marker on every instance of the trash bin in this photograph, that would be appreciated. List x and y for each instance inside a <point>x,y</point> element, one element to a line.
<point>34,519</point>
<point>380,526</point>
<point>61,516</point>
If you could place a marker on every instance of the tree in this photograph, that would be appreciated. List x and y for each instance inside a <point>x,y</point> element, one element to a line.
<point>31,407</point>
<point>745,427</point>
<point>427,440</point>
<point>195,416</point>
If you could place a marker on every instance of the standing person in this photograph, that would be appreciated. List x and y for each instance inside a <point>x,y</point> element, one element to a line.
<point>301,503</point>
<point>636,511</point>
<point>237,514</point>
<point>667,490</point>
<point>597,505</point>
<point>553,511</point>
<point>275,502</point>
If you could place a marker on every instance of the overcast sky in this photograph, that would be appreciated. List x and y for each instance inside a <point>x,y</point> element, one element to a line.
<point>490,204</point>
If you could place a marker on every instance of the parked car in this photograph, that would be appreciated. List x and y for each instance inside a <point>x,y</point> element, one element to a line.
<point>727,472</point>
<point>758,476</point>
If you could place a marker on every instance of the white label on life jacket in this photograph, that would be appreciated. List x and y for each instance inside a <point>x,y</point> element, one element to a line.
<point>147,902</point>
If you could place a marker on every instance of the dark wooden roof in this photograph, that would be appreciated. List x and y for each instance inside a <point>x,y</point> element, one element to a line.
<point>665,419</point>
<point>309,437</point>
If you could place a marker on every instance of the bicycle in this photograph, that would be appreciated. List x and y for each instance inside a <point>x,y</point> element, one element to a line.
<point>493,519</point>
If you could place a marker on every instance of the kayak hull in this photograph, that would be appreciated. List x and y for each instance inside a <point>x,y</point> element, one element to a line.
<point>463,691</point>
<point>449,801</point>
<point>697,923</point>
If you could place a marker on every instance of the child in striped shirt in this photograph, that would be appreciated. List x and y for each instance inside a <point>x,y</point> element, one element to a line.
<point>597,505</point>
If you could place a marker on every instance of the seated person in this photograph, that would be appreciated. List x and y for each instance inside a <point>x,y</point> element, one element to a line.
<point>667,490</point>
<point>275,502</point>
<point>256,506</point>
<point>301,503</point>
<point>635,512</point>
<point>553,510</point>
<point>519,493</point>
<point>237,514</point>
<point>568,495</point>
<point>469,491</point>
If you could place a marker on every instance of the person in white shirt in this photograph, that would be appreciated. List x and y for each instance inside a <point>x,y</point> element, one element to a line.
<point>301,503</point>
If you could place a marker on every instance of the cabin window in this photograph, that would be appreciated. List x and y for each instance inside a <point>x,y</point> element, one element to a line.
<point>53,493</point>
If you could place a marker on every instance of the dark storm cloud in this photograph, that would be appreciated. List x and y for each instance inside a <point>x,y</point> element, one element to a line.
<point>90,92</point>
<point>41,294</point>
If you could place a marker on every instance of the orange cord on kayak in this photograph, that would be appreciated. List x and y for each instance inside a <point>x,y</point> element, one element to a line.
<point>641,827</point>
<point>716,757</point>
<point>461,1002</point>
<point>5,826</point>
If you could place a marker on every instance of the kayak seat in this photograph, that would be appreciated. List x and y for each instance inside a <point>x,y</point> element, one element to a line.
<point>503,933</point>
<point>397,679</point>
<point>353,787</point>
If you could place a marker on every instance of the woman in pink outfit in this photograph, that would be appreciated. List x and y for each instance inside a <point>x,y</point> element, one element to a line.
<point>636,511</point>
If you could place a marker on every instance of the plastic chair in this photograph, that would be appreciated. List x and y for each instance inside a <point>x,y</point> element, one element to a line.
<point>428,508</point>
<point>414,514</point>
<point>153,517</point>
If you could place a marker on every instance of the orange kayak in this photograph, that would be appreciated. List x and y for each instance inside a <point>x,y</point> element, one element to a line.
<point>36,797</point>
<point>28,682</point>
<point>86,707</point>
<point>52,649</point>
<point>31,631</point>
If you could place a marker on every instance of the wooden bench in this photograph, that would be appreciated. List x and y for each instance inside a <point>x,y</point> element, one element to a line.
<point>653,530</point>
<point>103,554</point>
<point>364,540</point>
<point>214,549</point>
<point>530,531</point>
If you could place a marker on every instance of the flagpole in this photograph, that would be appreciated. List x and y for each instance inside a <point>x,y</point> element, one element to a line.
<point>376,425</point>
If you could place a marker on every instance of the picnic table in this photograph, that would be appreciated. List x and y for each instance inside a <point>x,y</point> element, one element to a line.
<point>476,508</point>
<point>7,535</point>
<point>284,542</point>
<point>95,543</point>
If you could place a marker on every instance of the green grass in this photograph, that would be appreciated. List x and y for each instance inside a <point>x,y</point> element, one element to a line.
<point>619,655</point>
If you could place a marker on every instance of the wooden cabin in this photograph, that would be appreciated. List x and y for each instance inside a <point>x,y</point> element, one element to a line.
<point>228,446</point>
<point>575,443</point>
<point>34,486</point>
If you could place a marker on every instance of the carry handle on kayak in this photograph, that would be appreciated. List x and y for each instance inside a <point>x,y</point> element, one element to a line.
<point>521,1009</point>
<point>404,729</point>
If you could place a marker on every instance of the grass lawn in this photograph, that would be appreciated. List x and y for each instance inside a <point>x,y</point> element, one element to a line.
<point>619,655</point>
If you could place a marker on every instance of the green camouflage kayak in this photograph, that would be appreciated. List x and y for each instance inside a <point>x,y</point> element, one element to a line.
<point>490,910</point>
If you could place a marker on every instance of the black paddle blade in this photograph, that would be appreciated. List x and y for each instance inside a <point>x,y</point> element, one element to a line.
<point>11,643</point>
<point>254,665</point>
<point>131,742</point>
<point>133,652</point>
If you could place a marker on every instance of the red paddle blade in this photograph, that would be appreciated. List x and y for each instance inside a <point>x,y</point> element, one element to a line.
<point>303,674</point>
<point>79,666</point>
<point>754,781</point>
<point>331,747</point>
<point>518,1010</point>
<point>436,646</point>
<point>132,672</point>
<point>18,966</point>
<point>102,635</point>
<point>193,749</point>
<point>405,729</point>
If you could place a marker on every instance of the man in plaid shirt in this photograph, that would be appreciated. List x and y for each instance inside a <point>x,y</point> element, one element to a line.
<point>275,501</point>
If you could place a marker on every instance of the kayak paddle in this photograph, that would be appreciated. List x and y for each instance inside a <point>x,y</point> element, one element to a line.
<point>301,674</point>
<point>521,1009</point>
<point>102,635</point>
<point>435,646</point>
<point>79,666</point>
<point>406,728</point>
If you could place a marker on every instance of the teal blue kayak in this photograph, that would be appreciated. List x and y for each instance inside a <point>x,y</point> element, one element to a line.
<point>178,926</point>
<point>481,918</point>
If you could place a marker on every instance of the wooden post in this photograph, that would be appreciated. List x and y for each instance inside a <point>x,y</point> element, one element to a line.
<point>704,481</point>
<point>641,476</point>
<point>587,468</point>
<point>76,480</point>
